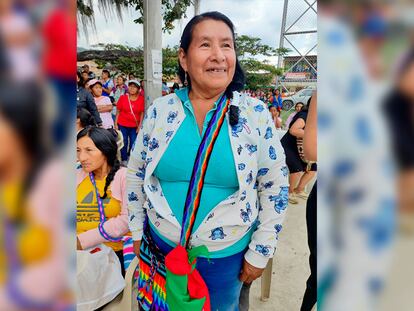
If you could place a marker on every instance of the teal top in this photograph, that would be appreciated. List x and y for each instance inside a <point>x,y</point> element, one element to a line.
<point>175,168</point>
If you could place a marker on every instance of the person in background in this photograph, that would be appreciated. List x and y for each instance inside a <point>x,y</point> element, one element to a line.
<point>298,107</point>
<point>130,112</point>
<point>97,154</point>
<point>300,173</point>
<point>310,149</point>
<point>85,77</point>
<point>91,75</point>
<point>119,90</point>
<point>103,103</point>
<point>165,88</point>
<point>84,119</point>
<point>142,91</point>
<point>277,100</point>
<point>84,99</point>
<point>32,235</point>
<point>131,76</point>
<point>107,83</point>
<point>275,116</point>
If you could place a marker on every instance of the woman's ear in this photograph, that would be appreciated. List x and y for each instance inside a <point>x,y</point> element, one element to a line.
<point>182,58</point>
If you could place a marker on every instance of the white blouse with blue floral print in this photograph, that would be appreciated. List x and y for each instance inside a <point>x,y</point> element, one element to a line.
<point>261,172</point>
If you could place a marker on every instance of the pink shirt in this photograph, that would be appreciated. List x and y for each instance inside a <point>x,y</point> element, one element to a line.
<point>116,226</point>
<point>106,117</point>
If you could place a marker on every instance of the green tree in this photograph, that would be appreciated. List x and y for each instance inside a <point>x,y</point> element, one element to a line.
<point>259,74</point>
<point>172,10</point>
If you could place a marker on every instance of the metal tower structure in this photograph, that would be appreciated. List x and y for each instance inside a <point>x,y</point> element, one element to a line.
<point>298,34</point>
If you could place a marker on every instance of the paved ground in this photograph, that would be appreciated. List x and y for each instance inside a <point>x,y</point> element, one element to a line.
<point>290,266</point>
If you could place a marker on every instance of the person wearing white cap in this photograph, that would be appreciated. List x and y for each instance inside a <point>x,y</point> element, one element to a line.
<point>103,103</point>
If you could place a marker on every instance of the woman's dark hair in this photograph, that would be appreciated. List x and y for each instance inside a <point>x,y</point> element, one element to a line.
<point>85,117</point>
<point>105,141</point>
<point>238,81</point>
<point>107,72</point>
<point>21,104</point>
<point>299,103</point>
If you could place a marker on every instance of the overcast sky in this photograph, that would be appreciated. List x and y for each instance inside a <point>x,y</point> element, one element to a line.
<point>258,18</point>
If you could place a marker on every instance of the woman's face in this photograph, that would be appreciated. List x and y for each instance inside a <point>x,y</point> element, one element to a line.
<point>211,59</point>
<point>120,81</point>
<point>133,89</point>
<point>85,76</point>
<point>97,90</point>
<point>298,107</point>
<point>90,157</point>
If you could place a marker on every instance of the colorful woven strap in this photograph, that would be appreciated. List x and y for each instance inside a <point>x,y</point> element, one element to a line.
<point>195,188</point>
<point>102,217</point>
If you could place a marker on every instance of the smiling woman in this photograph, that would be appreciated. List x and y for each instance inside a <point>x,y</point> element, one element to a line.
<point>236,167</point>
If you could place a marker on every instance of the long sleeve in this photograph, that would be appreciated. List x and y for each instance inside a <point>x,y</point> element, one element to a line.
<point>135,181</point>
<point>272,187</point>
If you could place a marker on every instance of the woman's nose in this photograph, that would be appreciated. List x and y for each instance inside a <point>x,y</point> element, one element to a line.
<point>217,54</point>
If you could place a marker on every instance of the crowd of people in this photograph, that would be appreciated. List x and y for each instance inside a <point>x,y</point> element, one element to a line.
<point>246,186</point>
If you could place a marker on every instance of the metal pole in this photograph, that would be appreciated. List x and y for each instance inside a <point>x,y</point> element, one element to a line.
<point>282,31</point>
<point>196,7</point>
<point>152,50</point>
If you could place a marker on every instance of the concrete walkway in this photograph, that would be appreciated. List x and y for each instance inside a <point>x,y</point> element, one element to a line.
<point>290,265</point>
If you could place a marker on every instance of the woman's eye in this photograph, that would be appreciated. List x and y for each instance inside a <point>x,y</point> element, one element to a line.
<point>205,44</point>
<point>226,45</point>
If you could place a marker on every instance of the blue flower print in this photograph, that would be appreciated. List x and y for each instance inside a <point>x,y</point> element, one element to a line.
<point>145,140</point>
<point>168,135</point>
<point>249,178</point>
<point>211,215</point>
<point>258,131</point>
<point>272,153</point>
<point>217,234</point>
<point>269,133</point>
<point>268,185</point>
<point>154,113</point>
<point>158,216</point>
<point>262,172</point>
<point>244,215</point>
<point>248,208</point>
<point>143,155</point>
<point>285,171</point>
<point>243,196</point>
<point>258,108</point>
<point>252,148</point>
<point>241,166</point>
<point>264,250</point>
<point>256,184</point>
<point>131,218</point>
<point>141,172</point>
<point>153,144</point>
<point>152,188</point>
<point>171,116</point>
<point>239,149</point>
<point>132,197</point>
<point>238,128</point>
<point>150,206</point>
<point>280,200</point>
<point>171,101</point>
<point>278,228</point>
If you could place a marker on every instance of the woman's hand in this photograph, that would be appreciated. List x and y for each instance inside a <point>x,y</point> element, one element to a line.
<point>78,245</point>
<point>137,245</point>
<point>249,273</point>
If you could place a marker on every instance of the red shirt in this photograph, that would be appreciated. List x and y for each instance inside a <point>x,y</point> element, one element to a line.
<point>126,118</point>
<point>59,33</point>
